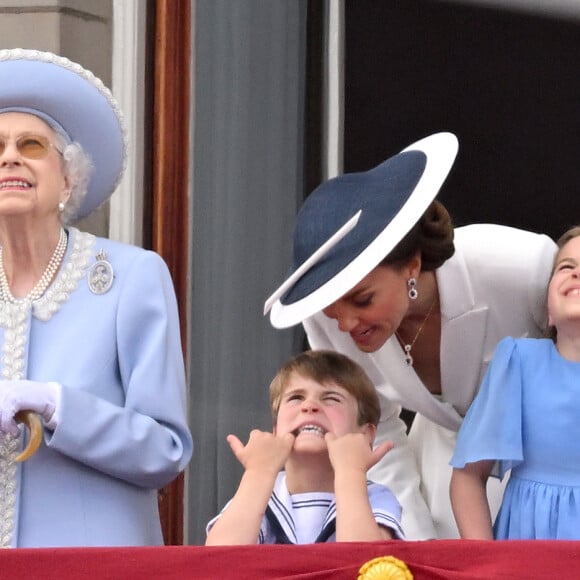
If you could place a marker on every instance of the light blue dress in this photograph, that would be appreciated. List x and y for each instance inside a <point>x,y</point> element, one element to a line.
<point>527,417</point>
<point>122,430</point>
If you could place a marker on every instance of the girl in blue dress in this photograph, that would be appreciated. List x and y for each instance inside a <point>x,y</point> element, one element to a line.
<point>526,419</point>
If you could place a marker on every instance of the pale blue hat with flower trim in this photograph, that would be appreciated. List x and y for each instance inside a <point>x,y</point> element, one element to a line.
<point>76,104</point>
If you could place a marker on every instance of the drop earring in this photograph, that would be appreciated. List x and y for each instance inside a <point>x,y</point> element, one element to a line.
<point>411,284</point>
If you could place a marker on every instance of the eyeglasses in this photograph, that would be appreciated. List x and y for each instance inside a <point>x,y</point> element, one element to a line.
<point>31,146</point>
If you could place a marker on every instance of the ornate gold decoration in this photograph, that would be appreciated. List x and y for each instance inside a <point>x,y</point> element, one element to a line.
<point>385,568</point>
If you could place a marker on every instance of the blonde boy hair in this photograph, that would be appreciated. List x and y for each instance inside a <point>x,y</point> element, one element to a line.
<point>325,367</point>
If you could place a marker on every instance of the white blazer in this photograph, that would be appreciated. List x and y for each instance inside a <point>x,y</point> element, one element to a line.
<point>493,286</point>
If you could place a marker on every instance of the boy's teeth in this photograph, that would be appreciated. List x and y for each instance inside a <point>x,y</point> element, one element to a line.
<point>311,429</point>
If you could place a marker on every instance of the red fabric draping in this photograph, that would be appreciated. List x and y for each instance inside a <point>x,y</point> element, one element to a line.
<point>432,560</point>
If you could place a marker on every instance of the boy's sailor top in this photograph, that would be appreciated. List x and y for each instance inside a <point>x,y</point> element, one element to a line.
<point>311,517</point>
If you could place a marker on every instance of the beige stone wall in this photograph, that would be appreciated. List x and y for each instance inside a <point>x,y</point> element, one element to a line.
<point>77,29</point>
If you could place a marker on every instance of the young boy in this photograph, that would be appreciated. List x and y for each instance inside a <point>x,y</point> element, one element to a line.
<point>306,482</point>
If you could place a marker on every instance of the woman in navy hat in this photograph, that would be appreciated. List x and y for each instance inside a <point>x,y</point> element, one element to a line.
<point>380,274</point>
<point>89,327</point>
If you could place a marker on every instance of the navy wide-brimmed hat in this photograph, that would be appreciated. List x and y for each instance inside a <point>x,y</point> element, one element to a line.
<point>349,224</point>
<point>76,104</point>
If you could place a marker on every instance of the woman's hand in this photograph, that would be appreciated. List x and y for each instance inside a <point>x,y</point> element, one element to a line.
<point>35,396</point>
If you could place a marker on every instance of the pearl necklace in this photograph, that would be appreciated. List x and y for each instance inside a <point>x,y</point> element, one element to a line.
<point>46,278</point>
<point>408,346</point>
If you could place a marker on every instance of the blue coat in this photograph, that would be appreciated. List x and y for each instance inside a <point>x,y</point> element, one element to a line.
<point>122,430</point>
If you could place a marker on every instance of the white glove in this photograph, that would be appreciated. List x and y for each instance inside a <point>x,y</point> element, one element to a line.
<point>43,398</point>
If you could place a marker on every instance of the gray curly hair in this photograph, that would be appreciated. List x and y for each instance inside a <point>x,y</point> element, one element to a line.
<point>78,167</point>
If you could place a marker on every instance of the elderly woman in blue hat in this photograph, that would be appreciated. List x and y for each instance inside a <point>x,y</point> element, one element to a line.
<point>381,275</point>
<point>88,327</point>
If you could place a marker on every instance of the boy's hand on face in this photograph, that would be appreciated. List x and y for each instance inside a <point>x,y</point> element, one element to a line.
<point>264,452</point>
<point>353,452</point>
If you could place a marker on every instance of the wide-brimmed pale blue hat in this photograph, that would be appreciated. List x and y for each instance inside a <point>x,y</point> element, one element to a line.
<point>76,104</point>
<point>349,224</point>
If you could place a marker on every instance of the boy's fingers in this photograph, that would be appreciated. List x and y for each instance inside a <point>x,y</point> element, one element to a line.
<point>235,444</point>
<point>382,449</point>
<point>329,436</point>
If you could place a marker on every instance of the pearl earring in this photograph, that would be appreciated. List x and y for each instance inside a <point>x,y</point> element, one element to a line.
<point>61,206</point>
